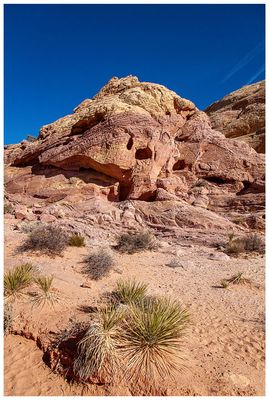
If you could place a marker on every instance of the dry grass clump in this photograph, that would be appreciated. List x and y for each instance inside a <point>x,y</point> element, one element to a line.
<point>97,351</point>
<point>250,243</point>
<point>8,209</point>
<point>8,317</point>
<point>48,238</point>
<point>76,240</point>
<point>237,279</point>
<point>17,279</point>
<point>99,264</point>
<point>130,291</point>
<point>253,242</point>
<point>141,343</point>
<point>135,242</point>
<point>46,293</point>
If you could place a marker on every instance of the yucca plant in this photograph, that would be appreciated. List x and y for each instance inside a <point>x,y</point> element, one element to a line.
<point>19,278</point>
<point>76,240</point>
<point>46,293</point>
<point>224,283</point>
<point>130,291</point>
<point>238,279</point>
<point>97,351</point>
<point>151,341</point>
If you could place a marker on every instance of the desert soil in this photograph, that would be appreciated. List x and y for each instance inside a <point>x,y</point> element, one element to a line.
<point>224,346</point>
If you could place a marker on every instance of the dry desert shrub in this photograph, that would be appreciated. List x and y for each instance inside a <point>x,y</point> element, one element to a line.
<point>17,279</point>
<point>8,209</point>
<point>45,293</point>
<point>76,240</point>
<point>135,242</point>
<point>98,264</point>
<point>98,349</point>
<point>238,279</point>
<point>48,238</point>
<point>249,243</point>
<point>130,291</point>
<point>253,242</point>
<point>8,317</point>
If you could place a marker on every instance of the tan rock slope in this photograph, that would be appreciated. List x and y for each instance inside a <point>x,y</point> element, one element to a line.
<point>137,141</point>
<point>241,114</point>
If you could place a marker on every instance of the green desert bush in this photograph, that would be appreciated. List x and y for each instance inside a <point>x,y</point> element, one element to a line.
<point>151,338</point>
<point>45,293</point>
<point>135,242</point>
<point>8,317</point>
<point>17,279</point>
<point>141,342</point>
<point>76,240</point>
<point>98,349</point>
<point>48,238</point>
<point>98,264</point>
<point>130,291</point>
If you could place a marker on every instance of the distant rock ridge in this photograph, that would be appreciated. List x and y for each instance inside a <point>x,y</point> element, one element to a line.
<point>241,115</point>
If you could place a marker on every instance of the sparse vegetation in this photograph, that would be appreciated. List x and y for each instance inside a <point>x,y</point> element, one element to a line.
<point>46,293</point>
<point>8,317</point>
<point>17,279</point>
<point>8,209</point>
<point>48,238</point>
<point>130,291</point>
<point>141,343</point>
<point>152,339</point>
<point>76,240</point>
<point>238,279</point>
<point>249,243</point>
<point>253,242</point>
<point>224,283</point>
<point>99,264</point>
<point>98,349</point>
<point>135,242</point>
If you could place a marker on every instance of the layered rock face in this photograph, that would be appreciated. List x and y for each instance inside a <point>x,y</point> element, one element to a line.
<point>241,115</point>
<point>137,141</point>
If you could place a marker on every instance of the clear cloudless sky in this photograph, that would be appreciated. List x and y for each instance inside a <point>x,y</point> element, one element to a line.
<point>55,56</point>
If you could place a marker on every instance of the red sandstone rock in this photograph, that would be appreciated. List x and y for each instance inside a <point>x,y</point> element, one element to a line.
<point>139,141</point>
<point>241,115</point>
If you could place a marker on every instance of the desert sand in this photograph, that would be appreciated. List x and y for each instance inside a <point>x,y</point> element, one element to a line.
<point>224,345</point>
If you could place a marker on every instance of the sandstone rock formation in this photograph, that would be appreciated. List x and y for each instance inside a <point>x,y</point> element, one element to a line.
<point>241,114</point>
<point>138,141</point>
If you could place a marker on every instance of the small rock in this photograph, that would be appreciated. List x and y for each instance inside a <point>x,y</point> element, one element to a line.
<point>86,285</point>
<point>47,218</point>
<point>219,256</point>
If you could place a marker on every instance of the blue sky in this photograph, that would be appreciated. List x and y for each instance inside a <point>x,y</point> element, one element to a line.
<point>57,55</point>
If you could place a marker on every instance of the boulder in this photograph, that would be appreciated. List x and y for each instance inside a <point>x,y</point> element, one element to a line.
<point>241,115</point>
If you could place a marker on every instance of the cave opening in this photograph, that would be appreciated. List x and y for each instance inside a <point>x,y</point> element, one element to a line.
<point>130,144</point>
<point>179,165</point>
<point>143,154</point>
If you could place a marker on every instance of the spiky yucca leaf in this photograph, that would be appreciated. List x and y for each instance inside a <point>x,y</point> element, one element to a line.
<point>238,279</point>
<point>46,293</point>
<point>130,291</point>
<point>97,351</point>
<point>151,341</point>
<point>16,280</point>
